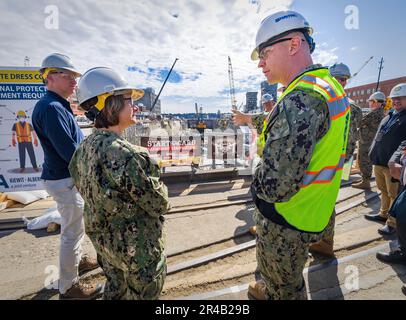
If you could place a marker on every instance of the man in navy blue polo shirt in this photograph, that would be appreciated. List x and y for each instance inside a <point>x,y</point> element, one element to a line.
<point>59,134</point>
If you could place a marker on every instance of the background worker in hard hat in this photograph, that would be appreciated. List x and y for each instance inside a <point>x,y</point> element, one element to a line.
<point>369,126</point>
<point>397,168</point>
<point>255,119</point>
<point>60,135</point>
<point>341,73</point>
<point>296,184</point>
<point>126,201</point>
<point>390,134</point>
<point>23,133</point>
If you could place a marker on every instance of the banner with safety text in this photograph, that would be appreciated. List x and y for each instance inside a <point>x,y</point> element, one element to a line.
<point>21,155</point>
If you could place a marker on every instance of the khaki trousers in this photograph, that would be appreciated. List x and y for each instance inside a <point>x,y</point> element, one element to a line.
<point>70,205</point>
<point>389,191</point>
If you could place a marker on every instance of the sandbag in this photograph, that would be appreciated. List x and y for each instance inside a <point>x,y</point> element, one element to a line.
<point>42,222</point>
<point>27,197</point>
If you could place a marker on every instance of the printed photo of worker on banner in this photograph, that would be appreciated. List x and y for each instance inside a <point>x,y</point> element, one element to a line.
<point>21,154</point>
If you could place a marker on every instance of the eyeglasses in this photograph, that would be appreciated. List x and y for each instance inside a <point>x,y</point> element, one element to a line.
<point>65,75</point>
<point>128,100</point>
<point>342,79</point>
<point>264,52</point>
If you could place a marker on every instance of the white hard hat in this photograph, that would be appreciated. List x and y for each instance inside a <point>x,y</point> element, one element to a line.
<point>103,82</point>
<point>398,91</point>
<point>277,25</point>
<point>58,61</point>
<point>267,97</point>
<point>378,96</point>
<point>340,70</point>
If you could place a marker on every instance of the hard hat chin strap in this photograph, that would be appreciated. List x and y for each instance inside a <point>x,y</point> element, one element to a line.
<point>47,71</point>
<point>274,40</point>
<point>310,41</point>
<point>101,100</point>
<point>95,110</point>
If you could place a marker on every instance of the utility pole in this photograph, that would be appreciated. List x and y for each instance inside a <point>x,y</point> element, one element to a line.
<point>379,76</point>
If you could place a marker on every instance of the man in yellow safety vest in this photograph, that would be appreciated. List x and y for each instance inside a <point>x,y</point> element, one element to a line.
<point>295,186</point>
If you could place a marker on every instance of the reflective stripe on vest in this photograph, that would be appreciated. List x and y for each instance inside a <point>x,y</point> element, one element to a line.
<point>23,132</point>
<point>334,102</point>
<point>323,176</point>
<point>311,207</point>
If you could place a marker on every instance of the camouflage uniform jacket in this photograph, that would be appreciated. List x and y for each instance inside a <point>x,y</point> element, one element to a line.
<point>355,125</point>
<point>258,121</point>
<point>300,121</point>
<point>369,126</point>
<point>124,199</point>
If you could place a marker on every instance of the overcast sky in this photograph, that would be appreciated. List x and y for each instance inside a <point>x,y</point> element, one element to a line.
<point>141,39</point>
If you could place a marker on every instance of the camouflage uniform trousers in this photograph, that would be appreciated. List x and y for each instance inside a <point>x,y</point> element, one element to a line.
<point>364,163</point>
<point>281,255</point>
<point>327,235</point>
<point>127,283</point>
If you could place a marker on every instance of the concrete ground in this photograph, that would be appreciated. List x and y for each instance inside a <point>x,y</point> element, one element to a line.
<point>359,277</point>
<point>27,259</point>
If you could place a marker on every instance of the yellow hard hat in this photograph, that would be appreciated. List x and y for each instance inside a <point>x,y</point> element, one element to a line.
<point>21,113</point>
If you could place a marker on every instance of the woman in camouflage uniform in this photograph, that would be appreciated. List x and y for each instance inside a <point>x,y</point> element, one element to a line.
<point>124,198</point>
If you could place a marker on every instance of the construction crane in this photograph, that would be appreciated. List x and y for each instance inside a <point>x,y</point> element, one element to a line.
<point>197,110</point>
<point>231,80</point>
<point>363,66</point>
<point>201,125</point>
<point>163,85</point>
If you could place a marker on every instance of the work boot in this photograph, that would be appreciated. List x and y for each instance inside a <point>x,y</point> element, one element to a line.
<point>387,230</point>
<point>365,184</point>
<point>81,291</point>
<point>253,230</point>
<point>392,257</point>
<point>87,264</point>
<point>322,247</point>
<point>53,227</point>
<point>375,217</point>
<point>355,171</point>
<point>257,290</point>
<point>21,170</point>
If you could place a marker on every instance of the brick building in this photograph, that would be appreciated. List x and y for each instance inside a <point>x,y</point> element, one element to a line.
<point>361,94</point>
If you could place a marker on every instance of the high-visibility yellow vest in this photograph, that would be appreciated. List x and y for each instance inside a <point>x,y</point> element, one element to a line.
<point>262,137</point>
<point>310,209</point>
<point>23,132</point>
